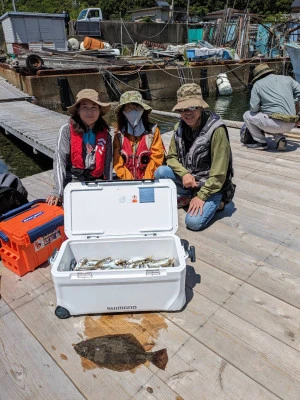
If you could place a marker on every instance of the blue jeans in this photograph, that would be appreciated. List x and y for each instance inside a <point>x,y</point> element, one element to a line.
<point>193,222</point>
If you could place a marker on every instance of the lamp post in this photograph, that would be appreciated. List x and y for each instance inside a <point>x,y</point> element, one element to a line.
<point>14,6</point>
<point>187,11</point>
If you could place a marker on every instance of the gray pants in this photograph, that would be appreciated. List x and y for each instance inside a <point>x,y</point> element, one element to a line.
<point>259,123</point>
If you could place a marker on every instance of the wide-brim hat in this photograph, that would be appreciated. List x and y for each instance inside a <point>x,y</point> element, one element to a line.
<point>132,96</point>
<point>261,70</point>
<point>189,95</point>
<point>92,95</point>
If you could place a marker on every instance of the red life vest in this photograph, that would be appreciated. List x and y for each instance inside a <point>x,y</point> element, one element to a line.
<point>136,160</point>
<point>77,160</point>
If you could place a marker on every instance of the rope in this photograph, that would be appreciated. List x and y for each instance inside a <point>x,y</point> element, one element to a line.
<point>147,37</point>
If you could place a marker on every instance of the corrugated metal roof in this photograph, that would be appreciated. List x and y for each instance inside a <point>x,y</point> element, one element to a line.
<point>162,3</point>
<point>296,3</point>
<point>11,14</point>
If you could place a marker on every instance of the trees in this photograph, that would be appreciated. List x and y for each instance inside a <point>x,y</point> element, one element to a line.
<point>113,8</point>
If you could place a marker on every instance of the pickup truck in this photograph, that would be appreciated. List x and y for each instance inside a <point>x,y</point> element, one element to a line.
<point>88,22</point>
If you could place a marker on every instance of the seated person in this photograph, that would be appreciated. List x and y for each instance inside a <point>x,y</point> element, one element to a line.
<point>137,146</point>
<point>199,159</point>
<point>84,145</point>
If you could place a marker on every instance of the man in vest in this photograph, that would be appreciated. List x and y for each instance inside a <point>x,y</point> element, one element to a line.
<point>199,159</point>
<point>272,108</point>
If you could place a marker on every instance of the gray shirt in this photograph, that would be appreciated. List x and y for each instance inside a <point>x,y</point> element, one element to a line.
<point>62,159</point>
<point>275,94</point>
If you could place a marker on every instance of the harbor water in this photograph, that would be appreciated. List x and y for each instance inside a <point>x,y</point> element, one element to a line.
<point>18,158</point>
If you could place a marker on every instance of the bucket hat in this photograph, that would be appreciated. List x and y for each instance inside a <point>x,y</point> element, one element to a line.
<point>189,95</point>
<point>261,70</point>
<point>132,96</point>
<point>92,95</point>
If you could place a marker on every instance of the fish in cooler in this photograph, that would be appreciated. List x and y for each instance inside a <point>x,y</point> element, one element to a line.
<point>109,263</point>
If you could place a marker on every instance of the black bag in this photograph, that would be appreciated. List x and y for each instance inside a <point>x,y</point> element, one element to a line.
<point>245,135</point>
<point>12,193</point>
<point>228,193</point>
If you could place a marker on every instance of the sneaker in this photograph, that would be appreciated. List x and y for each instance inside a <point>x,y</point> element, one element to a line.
<point>257,146</point>
<point>183,201</point>
<point>281,144</point>
<point>221,207</point>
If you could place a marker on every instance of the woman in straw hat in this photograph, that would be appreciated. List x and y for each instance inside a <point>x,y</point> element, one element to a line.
<point>272,108</point>
<point>199,159</point>
<point>84,145</point>
<point>137,147</point>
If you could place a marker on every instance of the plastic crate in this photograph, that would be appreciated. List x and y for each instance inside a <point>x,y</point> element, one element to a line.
<point>190,54</point>
<point>29,235</point>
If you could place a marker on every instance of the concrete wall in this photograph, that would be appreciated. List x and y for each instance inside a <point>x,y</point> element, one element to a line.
<point>138,32</point>
<point>156,83</point>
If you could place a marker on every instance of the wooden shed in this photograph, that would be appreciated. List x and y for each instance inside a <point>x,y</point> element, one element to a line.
<point>33,31</point>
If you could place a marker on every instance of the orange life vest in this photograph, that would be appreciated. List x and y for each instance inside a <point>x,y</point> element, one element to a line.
<point>136,159</point>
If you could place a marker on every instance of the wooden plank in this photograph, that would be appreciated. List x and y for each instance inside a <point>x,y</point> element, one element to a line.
<point>57,337</point>
<point>27,371</point>
<point>197,373</point>
<point>267,313</point>
<point>263,310</point>
<point>4,307</point>
<point>273,364</point>
<point>16,290</point>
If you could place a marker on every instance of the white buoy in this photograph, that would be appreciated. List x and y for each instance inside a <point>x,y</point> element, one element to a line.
<point>223,85</point>
<point>73,44</point>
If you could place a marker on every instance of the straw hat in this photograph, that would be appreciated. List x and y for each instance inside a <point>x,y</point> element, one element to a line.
<point>132,96</point>
<point>92,95</point>
<point>260,70</point>
<point>189,95</point>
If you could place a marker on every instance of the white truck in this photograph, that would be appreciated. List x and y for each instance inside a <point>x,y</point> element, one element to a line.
<point>88,22</point>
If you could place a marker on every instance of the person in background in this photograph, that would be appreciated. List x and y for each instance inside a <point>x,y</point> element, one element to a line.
<point>272,108</point>
<point>84,145</point>
<point>67,20</point>
<point>199,160</point>
<point>137,146</point>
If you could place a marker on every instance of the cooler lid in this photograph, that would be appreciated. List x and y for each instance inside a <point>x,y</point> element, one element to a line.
<point>120,208</point>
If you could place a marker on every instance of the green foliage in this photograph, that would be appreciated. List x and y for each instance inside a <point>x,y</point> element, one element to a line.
<point>112,9</point>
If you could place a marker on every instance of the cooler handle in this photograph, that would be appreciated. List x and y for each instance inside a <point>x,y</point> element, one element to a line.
<point>46,228</point>
<point>19,210</point>
<point>3,236</point>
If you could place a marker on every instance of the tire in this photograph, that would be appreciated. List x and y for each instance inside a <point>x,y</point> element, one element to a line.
<point>34,62</point>
<point>62,312</point>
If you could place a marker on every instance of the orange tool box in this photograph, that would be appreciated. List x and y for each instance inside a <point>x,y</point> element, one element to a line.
<point>29,235</point>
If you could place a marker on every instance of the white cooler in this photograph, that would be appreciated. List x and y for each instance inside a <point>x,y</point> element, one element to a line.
<point>122,220</point>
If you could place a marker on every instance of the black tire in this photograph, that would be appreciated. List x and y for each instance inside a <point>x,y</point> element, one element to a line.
<point>34,62</point>
<point>62,312</point>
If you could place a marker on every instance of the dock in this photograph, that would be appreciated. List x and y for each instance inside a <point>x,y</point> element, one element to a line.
<point>238,338</point>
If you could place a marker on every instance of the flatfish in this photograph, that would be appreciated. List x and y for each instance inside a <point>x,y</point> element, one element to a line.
<point>119,352</point>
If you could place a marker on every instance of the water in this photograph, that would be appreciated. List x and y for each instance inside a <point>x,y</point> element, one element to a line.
<point>18,158</point>
<point>227,107</point>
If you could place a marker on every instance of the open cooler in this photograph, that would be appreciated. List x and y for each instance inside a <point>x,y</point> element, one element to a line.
<point>122,220</point>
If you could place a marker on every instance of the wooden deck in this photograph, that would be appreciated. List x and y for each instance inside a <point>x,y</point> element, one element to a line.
<point>34,125</point>
<point>237,338</point>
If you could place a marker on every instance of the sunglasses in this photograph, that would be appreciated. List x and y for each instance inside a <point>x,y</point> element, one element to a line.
<point>183,110</point>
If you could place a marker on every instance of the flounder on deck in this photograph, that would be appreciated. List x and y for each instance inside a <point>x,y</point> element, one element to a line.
<point>119,352</point>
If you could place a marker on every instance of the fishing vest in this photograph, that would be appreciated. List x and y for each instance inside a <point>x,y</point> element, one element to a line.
<point>197,160</point>
<point>137,158</point>
<point>77,154</point>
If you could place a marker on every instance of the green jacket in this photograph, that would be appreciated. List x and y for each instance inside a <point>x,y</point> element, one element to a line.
<point>220,156</point>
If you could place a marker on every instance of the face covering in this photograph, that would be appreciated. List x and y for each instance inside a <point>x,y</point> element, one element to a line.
<point>133,117</point>
<point>135,123</point>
